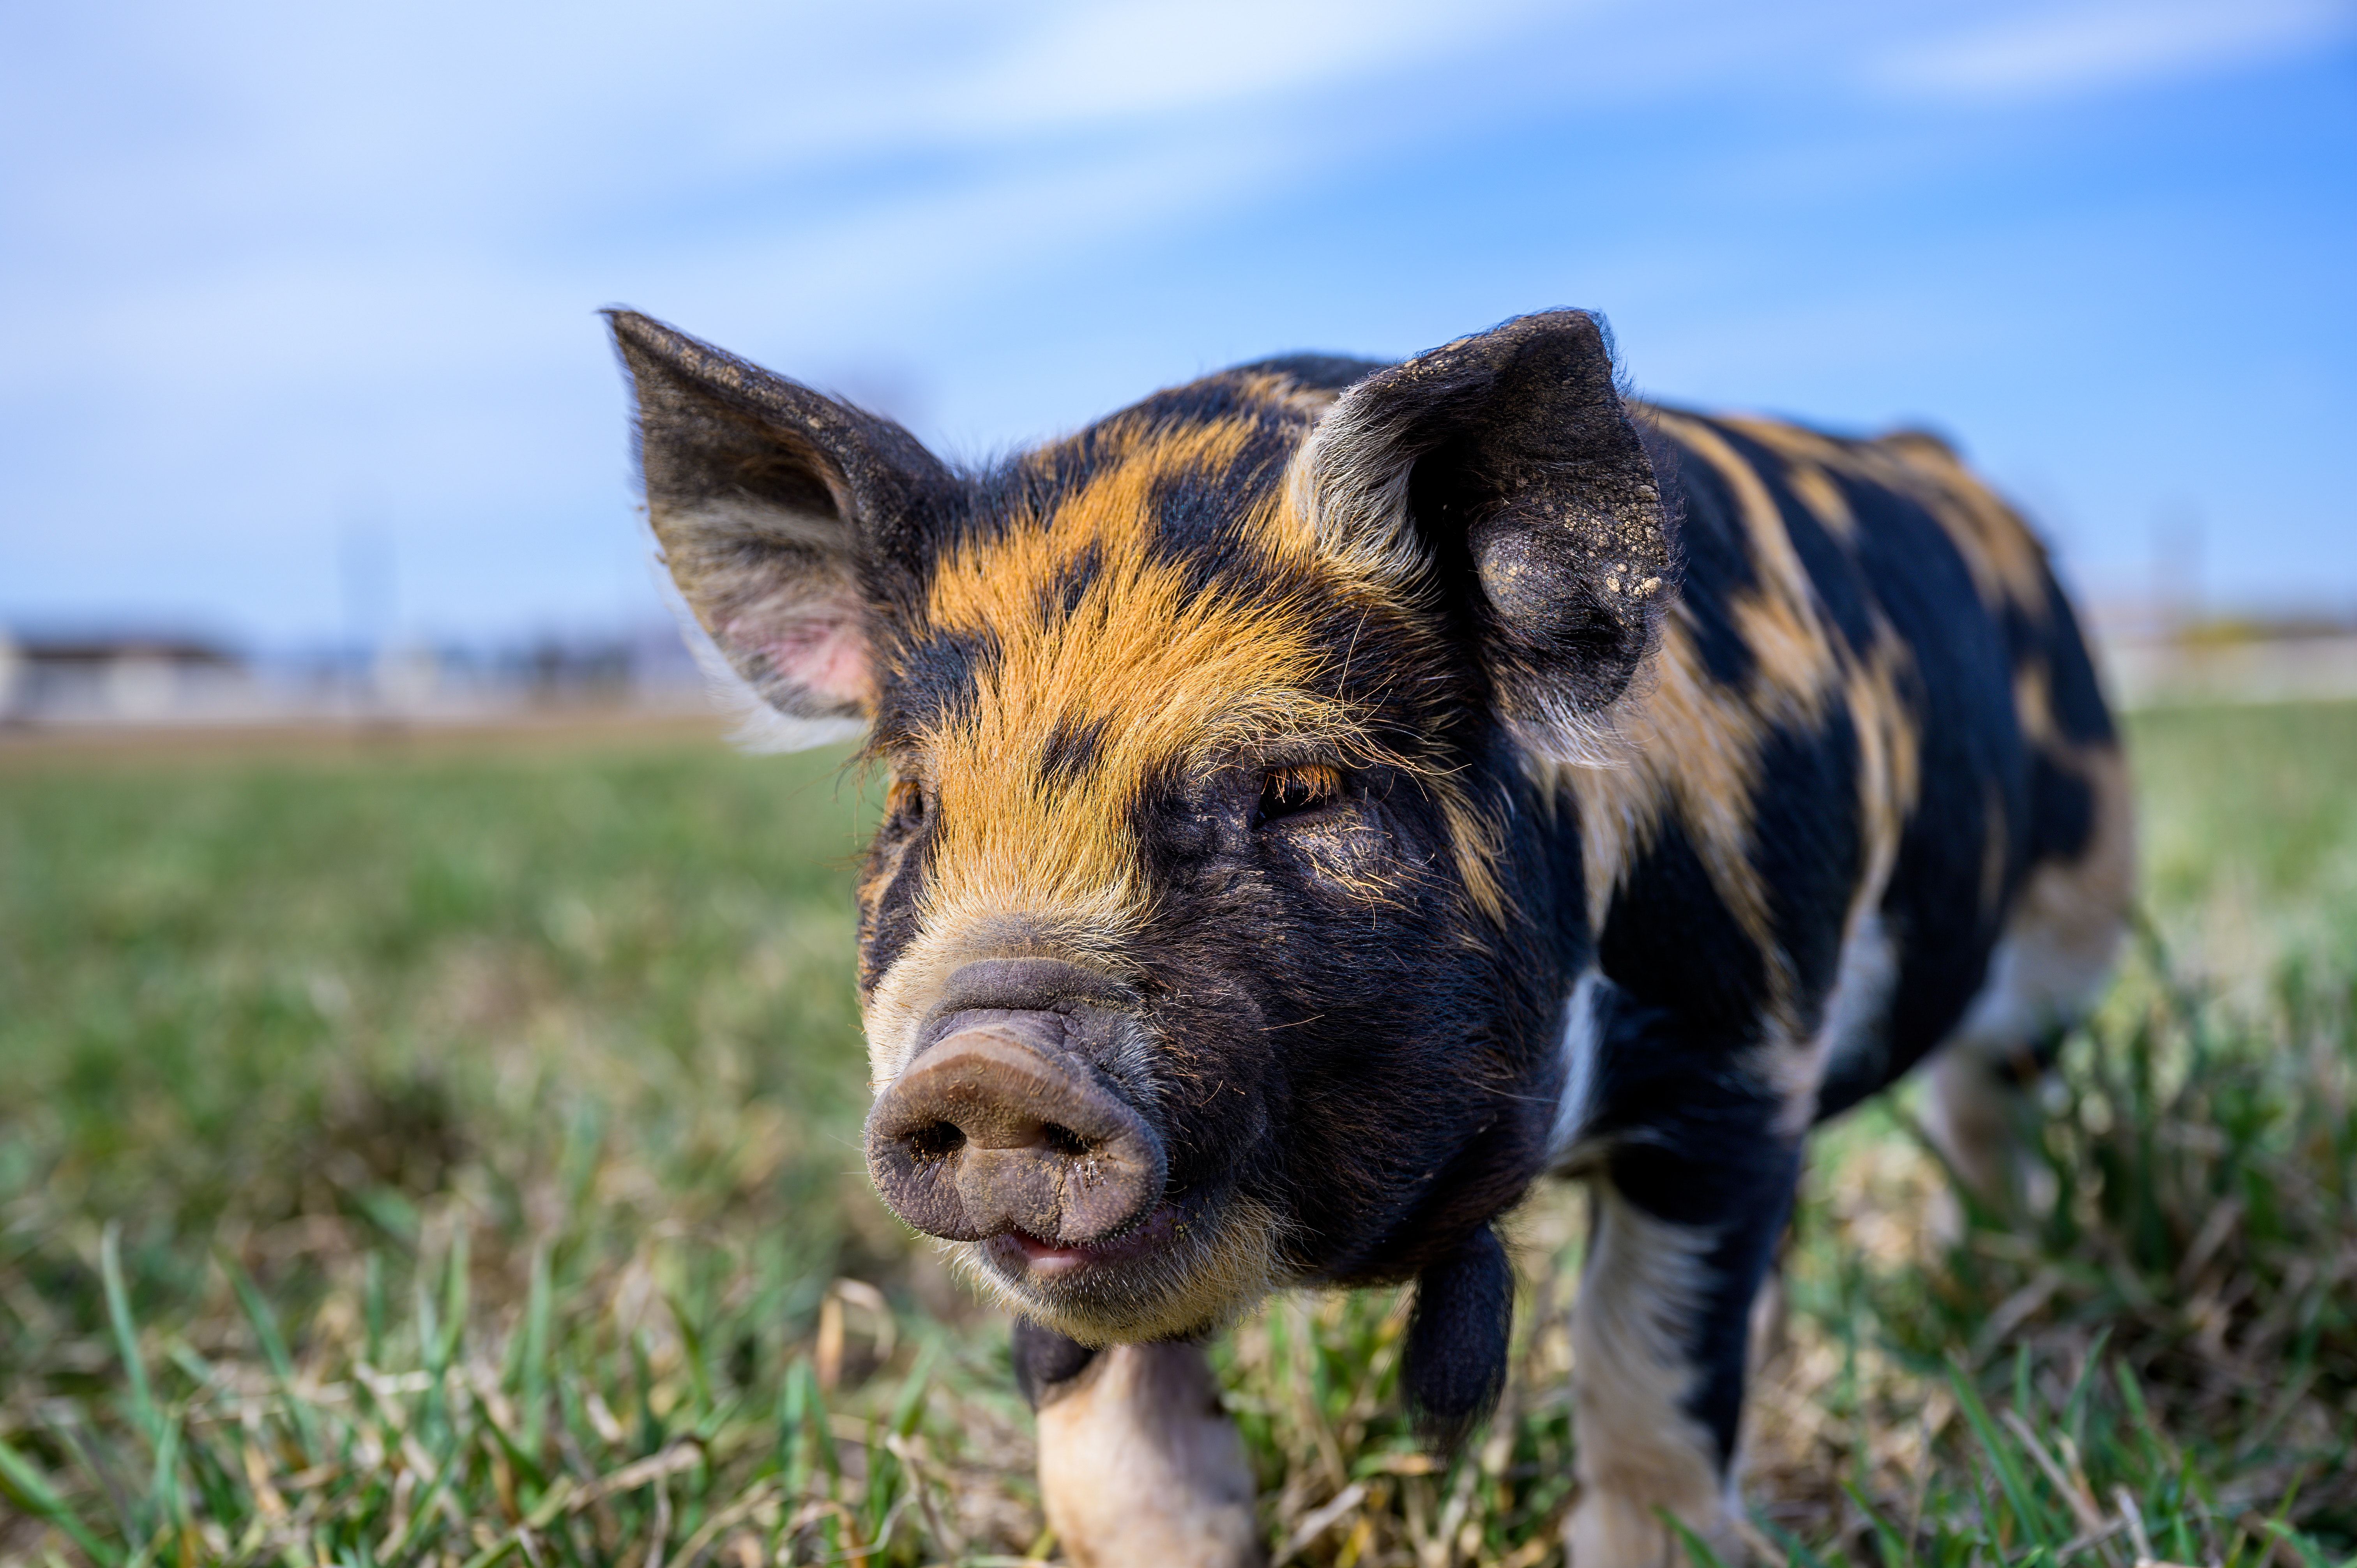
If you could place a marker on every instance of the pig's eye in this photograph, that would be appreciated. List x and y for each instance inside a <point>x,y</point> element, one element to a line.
<point>905,804</point>
<point>1304,787</point>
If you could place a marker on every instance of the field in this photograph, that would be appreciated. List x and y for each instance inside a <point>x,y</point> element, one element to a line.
<point>440,1154</point>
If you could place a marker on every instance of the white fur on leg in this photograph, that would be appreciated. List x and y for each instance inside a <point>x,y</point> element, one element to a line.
<point>1139,1465</point>
<point>1639,1449</point>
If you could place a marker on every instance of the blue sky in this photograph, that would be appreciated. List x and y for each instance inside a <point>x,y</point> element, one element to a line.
<point>296,285</point>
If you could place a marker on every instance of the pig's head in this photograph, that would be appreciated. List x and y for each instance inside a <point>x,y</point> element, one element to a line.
<point>1218,931</point>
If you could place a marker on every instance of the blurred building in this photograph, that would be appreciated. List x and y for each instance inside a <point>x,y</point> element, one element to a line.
<point>2229,660</point>
<point>119,678</point>
<point>115,679</point>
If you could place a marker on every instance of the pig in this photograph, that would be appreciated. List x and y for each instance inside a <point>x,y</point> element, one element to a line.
<point>1327,796</point>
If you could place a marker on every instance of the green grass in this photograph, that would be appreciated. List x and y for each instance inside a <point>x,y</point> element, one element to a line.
<point>453,1158</point>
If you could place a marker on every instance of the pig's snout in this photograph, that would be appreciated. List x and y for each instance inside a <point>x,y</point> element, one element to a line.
<point>992,1130</point>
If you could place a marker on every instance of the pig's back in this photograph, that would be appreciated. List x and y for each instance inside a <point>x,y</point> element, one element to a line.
<point>1872,740</point>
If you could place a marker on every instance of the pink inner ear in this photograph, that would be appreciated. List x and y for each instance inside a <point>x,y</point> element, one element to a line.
<point>820,649</point>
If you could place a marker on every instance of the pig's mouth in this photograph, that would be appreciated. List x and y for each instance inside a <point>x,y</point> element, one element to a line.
<point>1022,1258</point>
<point>1193,1263</point>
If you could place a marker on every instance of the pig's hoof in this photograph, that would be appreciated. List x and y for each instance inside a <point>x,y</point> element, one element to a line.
<point>1610,1530</point>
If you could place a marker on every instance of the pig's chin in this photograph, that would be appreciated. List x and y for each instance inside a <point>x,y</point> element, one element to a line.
<point>1186,1268</point>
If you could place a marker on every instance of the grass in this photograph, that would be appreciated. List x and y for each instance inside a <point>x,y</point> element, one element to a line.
<point>451,1158</point>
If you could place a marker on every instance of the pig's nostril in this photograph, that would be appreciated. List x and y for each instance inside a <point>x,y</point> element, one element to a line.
<point>1063,1140</point>
<point>936,1140</point>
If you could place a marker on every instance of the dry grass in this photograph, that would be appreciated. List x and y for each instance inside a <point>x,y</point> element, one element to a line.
<point>452,1158</point>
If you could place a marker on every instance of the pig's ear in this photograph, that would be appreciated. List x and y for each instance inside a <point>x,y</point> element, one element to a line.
<point>1502,478</point>
<point>781,514</point>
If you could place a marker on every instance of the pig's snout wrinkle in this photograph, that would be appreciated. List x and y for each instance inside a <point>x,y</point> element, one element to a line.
<point>989,1132</point>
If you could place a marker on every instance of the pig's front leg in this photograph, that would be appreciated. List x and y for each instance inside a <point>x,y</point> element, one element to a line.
<point>1139,1465</point>
<point>1689,1205</point>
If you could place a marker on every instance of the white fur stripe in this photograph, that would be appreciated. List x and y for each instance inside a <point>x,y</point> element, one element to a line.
<point>1583,1044</point>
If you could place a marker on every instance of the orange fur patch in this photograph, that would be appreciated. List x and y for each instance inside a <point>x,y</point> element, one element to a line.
<point>1165,673</point>
<point>1168,675</point>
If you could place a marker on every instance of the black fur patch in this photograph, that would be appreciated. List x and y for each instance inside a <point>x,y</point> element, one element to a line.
<point>1062,592</point>
<point>2077,695</point>
<point>1716,556</point>
<point>1670,942</point>
<point>1044,1358</point>
<point>1735,1267</point>
<point>2062,810</point>
<point>1807,845</point>
<point>1070,749</point>
<point>1694,1138</point>
<point>1324,372</point>
<point>889,921</point>
<point>1202,528</point>
<point>933,681</point>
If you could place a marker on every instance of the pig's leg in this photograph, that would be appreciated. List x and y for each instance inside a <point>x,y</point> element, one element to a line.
<point>1982,1111</point>
<point>2049,969</point>
<point>1682,1239</point>
<point>1138,1464</point>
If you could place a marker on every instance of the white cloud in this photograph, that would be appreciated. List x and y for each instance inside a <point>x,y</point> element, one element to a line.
<point>2095,46</point>
<point>1088,63</point>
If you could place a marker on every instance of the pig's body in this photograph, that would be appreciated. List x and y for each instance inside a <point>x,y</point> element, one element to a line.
<point>1330,796</point>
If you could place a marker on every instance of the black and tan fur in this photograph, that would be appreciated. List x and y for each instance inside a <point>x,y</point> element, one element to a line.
<point>1443,773</point>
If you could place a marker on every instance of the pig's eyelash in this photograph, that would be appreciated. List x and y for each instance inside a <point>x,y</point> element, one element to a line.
<point>1294,790</point>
